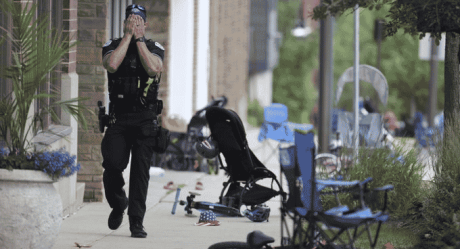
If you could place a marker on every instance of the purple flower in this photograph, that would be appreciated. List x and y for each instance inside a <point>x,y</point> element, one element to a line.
<point>56,163</point>
<point>4,152</point>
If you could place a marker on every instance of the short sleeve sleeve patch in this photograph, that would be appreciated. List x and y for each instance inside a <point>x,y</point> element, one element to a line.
<point>109,46</point>
<point>159,45</point>
<point>107,43</point>
<point>156,48</point>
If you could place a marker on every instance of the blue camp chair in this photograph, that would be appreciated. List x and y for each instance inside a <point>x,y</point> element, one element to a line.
<point>304,203</point>
<point>275,124</point>
<point>276,127</point>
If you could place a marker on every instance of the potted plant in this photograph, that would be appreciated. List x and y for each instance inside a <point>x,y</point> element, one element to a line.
<point>30,207</point>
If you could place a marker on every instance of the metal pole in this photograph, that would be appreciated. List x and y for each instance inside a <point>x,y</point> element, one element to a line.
<point>433,88</point>
<point>379,52</point>
<point>326,78</point>
<point>356,83</point>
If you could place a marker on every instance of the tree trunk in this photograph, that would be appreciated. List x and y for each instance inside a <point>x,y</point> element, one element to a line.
<point>452,77</point>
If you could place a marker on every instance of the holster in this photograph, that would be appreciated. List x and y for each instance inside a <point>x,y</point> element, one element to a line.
<point>160,136</point>
<point>103,117</point>
<point>156,106</point>
<point>162,140</point>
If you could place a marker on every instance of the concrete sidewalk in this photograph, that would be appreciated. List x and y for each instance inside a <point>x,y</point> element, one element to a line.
<point>88,226</point>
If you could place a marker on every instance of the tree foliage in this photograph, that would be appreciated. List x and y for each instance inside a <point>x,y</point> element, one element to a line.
<point>298,58</point>
<point>413,16</point>
<point>417,17</point>
<point>407,75</point>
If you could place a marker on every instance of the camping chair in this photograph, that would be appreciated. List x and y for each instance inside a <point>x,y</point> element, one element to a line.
<point>371,129</point>
<point>304,203</point>
<point>276,127</point>
<point>242,166</point>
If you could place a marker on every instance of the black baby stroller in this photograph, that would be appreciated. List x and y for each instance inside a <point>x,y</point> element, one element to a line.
<point>242,167</point>
<point>180,154</point>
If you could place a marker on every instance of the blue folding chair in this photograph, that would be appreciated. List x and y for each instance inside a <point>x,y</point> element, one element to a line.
<point>276,127</point>
<point>275,124</point>
<point>304,203</point>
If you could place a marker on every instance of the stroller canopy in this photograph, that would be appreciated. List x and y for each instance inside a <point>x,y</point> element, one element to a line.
<point>228,131</point>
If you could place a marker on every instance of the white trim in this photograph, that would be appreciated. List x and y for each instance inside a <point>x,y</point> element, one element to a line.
<point>202,67</point>
<point>180,72</point>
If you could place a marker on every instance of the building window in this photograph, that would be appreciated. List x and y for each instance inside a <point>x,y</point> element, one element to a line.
<point>52,8</point>
<point>5,58</point>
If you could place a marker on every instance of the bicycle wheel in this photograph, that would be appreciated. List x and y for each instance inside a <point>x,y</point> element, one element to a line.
<point>230,245</point>
<point>327,166</point>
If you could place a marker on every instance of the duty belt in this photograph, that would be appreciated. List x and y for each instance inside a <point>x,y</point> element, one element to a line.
<point>123,106</point>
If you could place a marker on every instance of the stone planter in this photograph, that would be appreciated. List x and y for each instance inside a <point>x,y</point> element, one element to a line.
<point>30,210</point>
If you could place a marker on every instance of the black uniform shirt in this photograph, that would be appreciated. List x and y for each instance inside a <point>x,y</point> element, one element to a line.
<point>131,65</point>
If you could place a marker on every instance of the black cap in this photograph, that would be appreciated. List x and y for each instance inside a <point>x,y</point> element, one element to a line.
<point>136,9</point>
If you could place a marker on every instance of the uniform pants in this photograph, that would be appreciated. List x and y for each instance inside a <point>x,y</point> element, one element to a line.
<point>123,138</point>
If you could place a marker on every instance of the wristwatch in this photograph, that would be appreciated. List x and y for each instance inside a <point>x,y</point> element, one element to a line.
<point>141,39</point>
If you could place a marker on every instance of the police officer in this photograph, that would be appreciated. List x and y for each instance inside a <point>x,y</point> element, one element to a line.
<point>130,62</point>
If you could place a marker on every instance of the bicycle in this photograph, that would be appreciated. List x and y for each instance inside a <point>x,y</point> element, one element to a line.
<point>332,165</point>
<point>255,240</point>
<point>180,154</point>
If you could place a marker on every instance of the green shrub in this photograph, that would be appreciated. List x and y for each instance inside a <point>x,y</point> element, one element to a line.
<point>385,167</point>
<point>439,222</point>
<point>255,113</point>
<point>439,226</point>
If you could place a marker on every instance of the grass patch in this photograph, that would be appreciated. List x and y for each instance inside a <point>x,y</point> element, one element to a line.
<point>399,237</point>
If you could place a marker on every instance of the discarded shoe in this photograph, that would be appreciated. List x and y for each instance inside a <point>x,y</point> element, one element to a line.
<point>199,186</point>
<point>170,185</point>
<point>116,217</point>
<point>136,228</point>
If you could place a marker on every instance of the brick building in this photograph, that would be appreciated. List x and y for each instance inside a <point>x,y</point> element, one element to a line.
<point>207,54</point>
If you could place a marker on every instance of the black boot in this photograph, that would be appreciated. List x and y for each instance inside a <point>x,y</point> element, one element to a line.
<point>116,216</point>
<point>136,228</point>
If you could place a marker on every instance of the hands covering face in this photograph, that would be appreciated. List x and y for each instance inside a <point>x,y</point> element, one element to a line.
<point>134,26</point>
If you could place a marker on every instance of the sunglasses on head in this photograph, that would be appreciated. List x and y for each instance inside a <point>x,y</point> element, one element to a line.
<point>135,6</point>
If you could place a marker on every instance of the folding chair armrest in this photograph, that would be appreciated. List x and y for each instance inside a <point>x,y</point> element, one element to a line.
<point>385,188</point>
<point>372,194</point>
<point>363,188</point>
<point>365,181</point>
<point>321,184</point>
<point>335,183</point>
